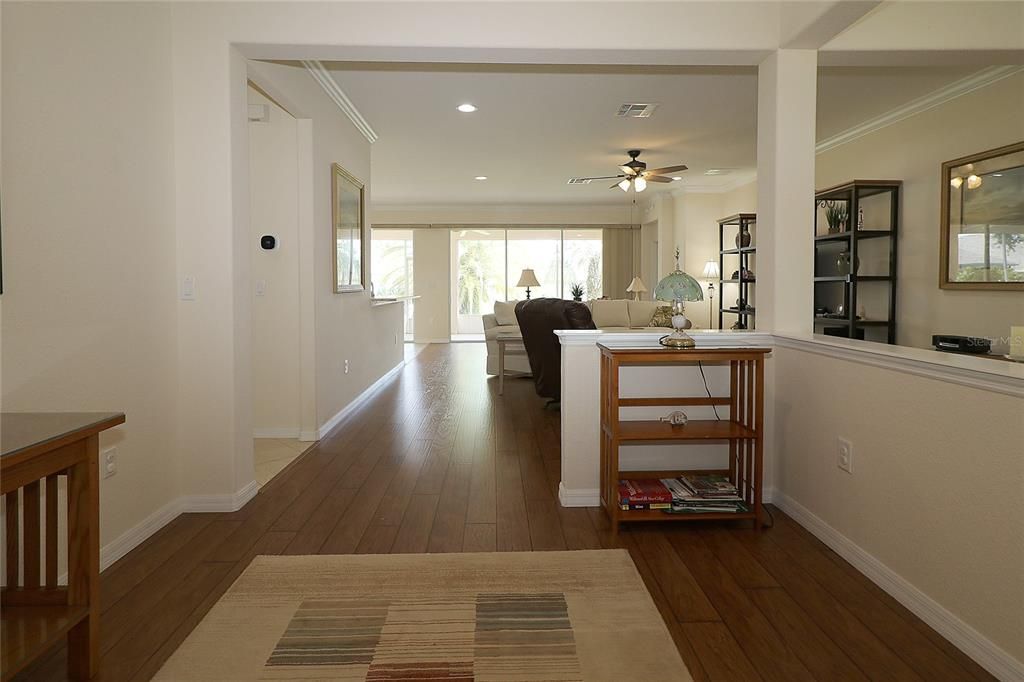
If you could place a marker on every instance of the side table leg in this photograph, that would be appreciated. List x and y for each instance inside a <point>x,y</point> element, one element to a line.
<point>84,561</point>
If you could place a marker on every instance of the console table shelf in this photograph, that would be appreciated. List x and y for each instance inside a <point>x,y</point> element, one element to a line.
<point>742,428</point>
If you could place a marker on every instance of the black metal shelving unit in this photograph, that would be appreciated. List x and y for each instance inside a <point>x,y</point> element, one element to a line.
<point>876,202</point>
<point>742,222</point>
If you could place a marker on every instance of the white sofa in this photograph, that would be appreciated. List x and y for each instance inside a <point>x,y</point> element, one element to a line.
<point>616,315</point>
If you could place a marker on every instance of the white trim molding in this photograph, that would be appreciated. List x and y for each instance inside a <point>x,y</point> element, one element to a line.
<point>951,91</point>
<point>359,400</point>
<point>590,497</point>
<point>987,654</point>
<point>322,76</point>
<point>220,503</point>
<point>981,373</point>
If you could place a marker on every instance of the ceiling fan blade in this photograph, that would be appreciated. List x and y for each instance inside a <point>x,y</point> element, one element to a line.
<point>657,178</point>
<point>667,170</point>
<point>603,177</point>
<point>627,170</point>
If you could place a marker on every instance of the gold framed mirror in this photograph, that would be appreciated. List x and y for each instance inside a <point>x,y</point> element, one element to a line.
<point>349,230</point>
<point>982,216</point>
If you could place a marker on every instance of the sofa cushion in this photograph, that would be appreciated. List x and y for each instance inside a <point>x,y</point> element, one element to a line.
<point>610,313</point>
<point>505,312</point>
<point>641,312</point>
<point>662,316</point>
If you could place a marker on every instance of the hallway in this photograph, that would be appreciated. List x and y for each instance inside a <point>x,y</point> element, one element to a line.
<point>437,462</point>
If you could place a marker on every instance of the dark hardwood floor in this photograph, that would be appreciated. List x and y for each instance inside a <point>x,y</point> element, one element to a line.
<point>437,462</point>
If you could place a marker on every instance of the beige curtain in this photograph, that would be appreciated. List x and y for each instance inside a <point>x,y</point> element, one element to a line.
<point>621,260</point>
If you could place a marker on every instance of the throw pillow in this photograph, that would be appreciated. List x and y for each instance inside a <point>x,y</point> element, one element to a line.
<point>614,313</point>
<point>505,312</point>
<point>662,316</point>
<point>641,312</point>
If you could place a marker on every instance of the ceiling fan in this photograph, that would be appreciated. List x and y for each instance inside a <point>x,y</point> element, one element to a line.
<point>634,173</point>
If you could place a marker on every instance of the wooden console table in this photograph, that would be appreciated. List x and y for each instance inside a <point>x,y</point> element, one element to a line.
<point>35,449</point>
<point>743,429</point>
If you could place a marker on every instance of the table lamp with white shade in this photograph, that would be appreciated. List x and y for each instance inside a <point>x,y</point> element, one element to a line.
<point>528,279</point>
<point>677,287</point>
<point>711,273</point>
<point>636,287</point>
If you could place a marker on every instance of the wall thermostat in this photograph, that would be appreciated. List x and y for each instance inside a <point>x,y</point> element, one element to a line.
<point>268,242</point>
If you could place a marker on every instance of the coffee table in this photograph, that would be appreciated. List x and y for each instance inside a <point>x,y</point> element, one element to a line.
<point>517,348</point>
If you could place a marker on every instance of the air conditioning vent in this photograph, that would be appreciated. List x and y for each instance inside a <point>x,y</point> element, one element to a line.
<point>718,171</point>
<point>579,181</point>
<point>636,110</point>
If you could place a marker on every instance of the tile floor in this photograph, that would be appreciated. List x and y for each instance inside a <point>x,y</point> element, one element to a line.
<point>271,455</point>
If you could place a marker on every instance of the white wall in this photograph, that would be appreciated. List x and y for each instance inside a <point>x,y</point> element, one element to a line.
<point>89,314</point>
<point>513,214</point>
<point>934,466</point>
<point>347,327</point>
<point>913,151</point>
<point>274,210</point>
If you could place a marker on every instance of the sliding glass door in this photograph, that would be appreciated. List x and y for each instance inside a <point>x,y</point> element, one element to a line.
<point>488,263</point>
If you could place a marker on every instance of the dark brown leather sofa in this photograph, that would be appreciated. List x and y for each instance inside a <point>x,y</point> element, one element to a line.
<point>538,320</point>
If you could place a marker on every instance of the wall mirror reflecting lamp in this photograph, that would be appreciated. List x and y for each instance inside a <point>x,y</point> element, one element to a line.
<point>982,217</point>
<point>349,229</point>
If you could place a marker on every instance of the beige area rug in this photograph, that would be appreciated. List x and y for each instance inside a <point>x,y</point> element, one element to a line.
<point>531,616</point>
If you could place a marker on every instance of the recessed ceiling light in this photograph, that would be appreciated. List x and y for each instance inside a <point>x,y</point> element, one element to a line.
<point>466,108</point>
<point>480,177</point>
<point>677,177</point>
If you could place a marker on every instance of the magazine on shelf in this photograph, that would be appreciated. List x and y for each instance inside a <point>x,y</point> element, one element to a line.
<point>643,491</point>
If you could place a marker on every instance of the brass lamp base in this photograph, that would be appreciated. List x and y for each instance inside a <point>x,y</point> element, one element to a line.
<point>677,339</point>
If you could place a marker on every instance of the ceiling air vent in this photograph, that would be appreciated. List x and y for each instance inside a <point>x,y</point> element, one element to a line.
<point>637,110</point>
<point>579,181</point>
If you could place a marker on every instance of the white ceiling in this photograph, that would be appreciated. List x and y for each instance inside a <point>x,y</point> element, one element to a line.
<point>538,126</point>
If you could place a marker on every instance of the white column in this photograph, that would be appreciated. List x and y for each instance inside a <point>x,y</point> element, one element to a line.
<point>786,103</point>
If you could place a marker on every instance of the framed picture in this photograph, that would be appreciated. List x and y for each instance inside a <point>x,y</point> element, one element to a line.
<point>348,228</point>
<point>982,216</point>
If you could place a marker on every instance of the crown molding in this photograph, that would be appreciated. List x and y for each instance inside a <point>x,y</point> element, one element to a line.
<point>955,89</point>
<point>322,76</point>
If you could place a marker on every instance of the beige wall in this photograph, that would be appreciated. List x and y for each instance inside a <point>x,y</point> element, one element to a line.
<point>696,216</point>
<point>913,151</point>
<point>516,214</point>
<point>347,327</point>
<point>89,297</point>
<point>432,283</point>
<point>936,467</point>
<point>274,209</point>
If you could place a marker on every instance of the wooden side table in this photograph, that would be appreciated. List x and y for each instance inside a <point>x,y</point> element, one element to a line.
<point>35,449</point>
<point>503,341</point>
<point>743,429</point>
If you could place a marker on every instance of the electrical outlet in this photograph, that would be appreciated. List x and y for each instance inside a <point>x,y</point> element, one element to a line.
<point>844,455</point>
<point>346,367</point>
<point>109,462</point>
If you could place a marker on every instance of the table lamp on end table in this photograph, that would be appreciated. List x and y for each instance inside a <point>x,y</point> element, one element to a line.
<point>677,287</point>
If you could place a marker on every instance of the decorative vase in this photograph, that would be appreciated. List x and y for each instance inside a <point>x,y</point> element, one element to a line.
<point>843,264</point>
<point>743,238</point>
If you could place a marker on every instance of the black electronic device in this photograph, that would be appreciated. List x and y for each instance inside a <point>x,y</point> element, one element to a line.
<point>961,344</point>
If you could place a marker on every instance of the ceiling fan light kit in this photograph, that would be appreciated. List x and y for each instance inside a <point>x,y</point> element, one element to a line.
<point>635,174</point>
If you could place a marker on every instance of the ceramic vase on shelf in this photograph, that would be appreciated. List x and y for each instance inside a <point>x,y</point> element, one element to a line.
<point>843,264</point>
<point>743,238</point>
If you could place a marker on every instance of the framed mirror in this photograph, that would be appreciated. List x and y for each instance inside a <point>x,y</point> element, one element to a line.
<point>348,225</point>
<point>982,217</point>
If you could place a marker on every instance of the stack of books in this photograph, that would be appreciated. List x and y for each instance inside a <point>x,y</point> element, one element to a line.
<point>687,494</point>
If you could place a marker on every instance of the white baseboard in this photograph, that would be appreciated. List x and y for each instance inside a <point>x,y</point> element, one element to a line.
<point>220,503</point>
<point>987,654</point>
<point>432,341</point>
<point>309,436</point>
<point>579,497</point>
<point>356,403</point>
<point>136,535</point>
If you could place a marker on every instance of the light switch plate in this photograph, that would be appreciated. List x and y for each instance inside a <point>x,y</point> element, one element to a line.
<point>188,288</point>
